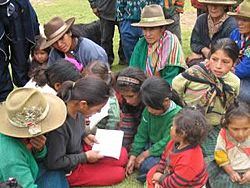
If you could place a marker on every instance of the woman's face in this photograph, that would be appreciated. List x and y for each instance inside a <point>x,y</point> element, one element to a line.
<point>89,111</point>
<point>239,128</point>
<point>152,34</point>
<point>64,43</point>
<point>244,25</point>
<point>220,63</point>
<point>215,11</point>
<point>132,98</point>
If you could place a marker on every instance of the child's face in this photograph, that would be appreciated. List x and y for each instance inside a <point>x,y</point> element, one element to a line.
<point>154,111</point>
<point>220,63</point>
<point>239,128</point>
<point>177,138</point>
<point>132,98</point>
<point>41,56</point>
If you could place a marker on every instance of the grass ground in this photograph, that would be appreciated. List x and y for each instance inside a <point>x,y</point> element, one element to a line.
<point>80,9</point>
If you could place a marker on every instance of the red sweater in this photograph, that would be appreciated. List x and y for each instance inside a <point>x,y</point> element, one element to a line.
<point>182,168</point>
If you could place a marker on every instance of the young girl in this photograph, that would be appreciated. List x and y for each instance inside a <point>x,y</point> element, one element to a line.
<point>211,85</point>
<point>83,98</point>
<point>182,163</point>
<point>232,152</point>
<point>39,57</point>
<point>154,130</point>
<point>128,84</point>
<point>112,119</point>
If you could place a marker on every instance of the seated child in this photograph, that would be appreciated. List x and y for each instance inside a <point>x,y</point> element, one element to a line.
<point>232,153</point>
<point>111,108</point>
<point>39,57</point>
<point>182,163</point>
<point>154,130</point>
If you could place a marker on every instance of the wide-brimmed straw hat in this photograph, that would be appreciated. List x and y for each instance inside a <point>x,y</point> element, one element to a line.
<point>55,29</point>
<point>28,113</point>
<point>243,10</point>
<point>218,2</point>
<point>152,16</point>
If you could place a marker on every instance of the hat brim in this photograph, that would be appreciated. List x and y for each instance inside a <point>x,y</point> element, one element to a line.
<point>240,15</point>
<point>218,2</point>
<point>153,24</point>
<point>48,42</point>
<point>54,119</point>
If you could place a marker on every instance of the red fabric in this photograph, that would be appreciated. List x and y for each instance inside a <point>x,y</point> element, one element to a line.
<point>181,169</point>
<point>106,171</point>
<point>150,176</point>
<point>196,4</point>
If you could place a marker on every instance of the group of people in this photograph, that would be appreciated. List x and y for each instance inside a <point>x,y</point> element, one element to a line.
<point>186,122</point>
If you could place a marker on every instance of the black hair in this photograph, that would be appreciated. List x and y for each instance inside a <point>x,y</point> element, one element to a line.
<point>38,75</point>
<point>154,91</point>
<point>191,123</point>
<point>130,72</point>
<point>228,46</point>
<point>93,90</point>
<point>238,109</point>
<point>61,71</point>
<point>101,70</point>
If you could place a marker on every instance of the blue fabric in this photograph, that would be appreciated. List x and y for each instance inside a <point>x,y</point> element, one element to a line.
<point>17,34</point>
<point>129,35</point>
<point>146,165</point>
<point>242,70</point>
<point>51,178</point>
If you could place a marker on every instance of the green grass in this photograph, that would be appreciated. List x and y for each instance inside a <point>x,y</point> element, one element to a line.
<point>80,9</point>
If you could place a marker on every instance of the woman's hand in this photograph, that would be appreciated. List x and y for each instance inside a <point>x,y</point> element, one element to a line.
<point>245,178</point>
<point>205,51</point>
<point>38,143</point>
<point>141,158</point>
<point>93,156</point>
<point>158,185</point>
<point>90,140</point>
<point>130,166</point>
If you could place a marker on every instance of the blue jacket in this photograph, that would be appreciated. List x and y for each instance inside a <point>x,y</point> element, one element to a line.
<point>242,70</point>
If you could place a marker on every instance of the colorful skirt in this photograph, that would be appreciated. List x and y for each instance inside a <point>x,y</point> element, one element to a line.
<point>218,178</point>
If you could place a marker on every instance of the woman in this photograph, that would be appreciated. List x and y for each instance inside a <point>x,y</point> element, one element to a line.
<point>210,27</point>
<point>159,52</point>
<point>26,115</point>
<point>83,98</point>
<point>241,36</point>
<point>211,85</point>
<point>67,45</point>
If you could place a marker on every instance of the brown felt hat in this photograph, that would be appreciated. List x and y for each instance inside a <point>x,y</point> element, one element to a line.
<point>55,29</point>
<point>152,16</point>
<point>243,10</point>
<point>28,113</point>
<point>218,2</point>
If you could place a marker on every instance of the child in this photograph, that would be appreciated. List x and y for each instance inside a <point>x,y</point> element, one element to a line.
<point>83,98</point>
<point>182,163</point>
<point>211,85</point>
<point>154,130</point>
<point>232,152</point>
<point>39,57</point>
<point>111,121</point>
<point>128,84</point>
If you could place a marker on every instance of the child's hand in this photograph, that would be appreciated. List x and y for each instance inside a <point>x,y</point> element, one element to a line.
<point>235,177</point>
<point>140,158</point>
<point>130,166</point>
<point>245,178</point>
<point>157,185</point>
<point>90,139</point>
<point>156,177</point>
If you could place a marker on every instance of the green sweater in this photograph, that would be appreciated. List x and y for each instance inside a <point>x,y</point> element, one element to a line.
<point>154,130</point>
<point>18,162</point>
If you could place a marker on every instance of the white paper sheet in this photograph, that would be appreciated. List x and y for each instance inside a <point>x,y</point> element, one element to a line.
<point>110,142</point>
